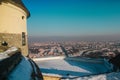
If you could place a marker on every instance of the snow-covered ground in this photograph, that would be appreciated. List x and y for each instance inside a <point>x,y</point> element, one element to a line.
<point>71,68</point>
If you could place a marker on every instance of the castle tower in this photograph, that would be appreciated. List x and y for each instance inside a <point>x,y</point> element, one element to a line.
<point>13,30</point>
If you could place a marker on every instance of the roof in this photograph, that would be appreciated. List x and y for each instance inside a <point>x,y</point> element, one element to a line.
<point>73,67</point>
<point>19,4</point>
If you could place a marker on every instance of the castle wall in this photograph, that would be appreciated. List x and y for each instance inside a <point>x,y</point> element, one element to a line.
<point>13,26</point>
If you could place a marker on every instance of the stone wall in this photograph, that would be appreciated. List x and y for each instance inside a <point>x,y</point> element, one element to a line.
<point>15,40</point>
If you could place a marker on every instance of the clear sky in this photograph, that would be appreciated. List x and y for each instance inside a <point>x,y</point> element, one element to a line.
<point>73,17</point>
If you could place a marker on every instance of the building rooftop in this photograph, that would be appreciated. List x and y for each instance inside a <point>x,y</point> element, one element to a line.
<point>72,67</point>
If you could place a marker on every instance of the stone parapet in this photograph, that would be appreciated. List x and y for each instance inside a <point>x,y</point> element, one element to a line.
<point>16,40</point>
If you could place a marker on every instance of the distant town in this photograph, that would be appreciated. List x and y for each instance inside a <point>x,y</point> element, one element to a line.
<point>75,48</point>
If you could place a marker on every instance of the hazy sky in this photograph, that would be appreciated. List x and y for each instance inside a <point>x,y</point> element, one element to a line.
<point>73,17</point>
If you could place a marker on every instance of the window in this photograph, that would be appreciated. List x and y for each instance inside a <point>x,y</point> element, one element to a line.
<point>23,17</point>
<point>23,39</point>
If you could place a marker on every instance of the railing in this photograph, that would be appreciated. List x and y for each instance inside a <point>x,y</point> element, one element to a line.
<point>9,63</point>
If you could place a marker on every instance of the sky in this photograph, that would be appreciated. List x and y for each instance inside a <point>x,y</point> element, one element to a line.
<point>73,17</point>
